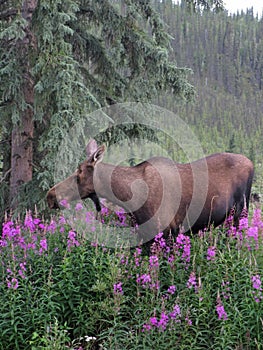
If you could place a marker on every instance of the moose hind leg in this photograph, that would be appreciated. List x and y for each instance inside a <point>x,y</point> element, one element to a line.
<point>241,210</point>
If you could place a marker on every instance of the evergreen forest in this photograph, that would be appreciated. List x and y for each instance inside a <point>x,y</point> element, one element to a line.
<point>226,56</point>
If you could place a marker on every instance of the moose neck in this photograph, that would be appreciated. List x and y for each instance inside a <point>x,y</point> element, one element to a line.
<point>114,183</point>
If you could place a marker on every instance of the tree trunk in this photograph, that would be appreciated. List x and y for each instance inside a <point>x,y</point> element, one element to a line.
<point>22,134</point>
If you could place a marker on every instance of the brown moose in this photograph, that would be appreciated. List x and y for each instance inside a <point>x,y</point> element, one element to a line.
<point>163,195</point>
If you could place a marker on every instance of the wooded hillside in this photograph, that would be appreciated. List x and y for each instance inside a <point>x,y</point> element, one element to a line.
<point>226,56</point>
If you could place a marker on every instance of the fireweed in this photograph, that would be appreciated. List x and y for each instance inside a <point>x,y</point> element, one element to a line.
<point>126,297</point>
<point>222,315</point>
<point>257,292</point>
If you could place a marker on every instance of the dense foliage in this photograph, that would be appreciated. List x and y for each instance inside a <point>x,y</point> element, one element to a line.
<point>62,291</point>
<point>61,60</point>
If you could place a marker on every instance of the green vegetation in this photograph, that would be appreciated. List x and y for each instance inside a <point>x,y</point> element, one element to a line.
<point>61,291</point>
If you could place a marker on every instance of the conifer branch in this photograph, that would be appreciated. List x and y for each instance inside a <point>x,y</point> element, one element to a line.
<point>7,14</point>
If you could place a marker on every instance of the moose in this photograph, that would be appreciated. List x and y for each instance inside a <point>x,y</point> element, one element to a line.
<point>163,195</point>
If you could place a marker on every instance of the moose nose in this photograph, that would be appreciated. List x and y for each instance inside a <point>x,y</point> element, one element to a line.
<point>52,199</point>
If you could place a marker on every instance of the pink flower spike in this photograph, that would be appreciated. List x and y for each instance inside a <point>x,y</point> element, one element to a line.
<point>192,280</point>
<point>43,245</point>
<point>176,312</point>
<point>171,290</point>
<point>72,241</point>
<point>163,321</point>
<point>146,327</point>
<point>117,288</point>
<point>78,207</point>
<point>222,315</point>
<point>13,284</point>
<point>256,282</point>
<point>211,253</point>
<point>154,321</point>
<point>154,261</point>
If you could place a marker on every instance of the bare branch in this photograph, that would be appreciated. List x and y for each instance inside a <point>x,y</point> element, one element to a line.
<point>7,14</point>
<point>5,175</point>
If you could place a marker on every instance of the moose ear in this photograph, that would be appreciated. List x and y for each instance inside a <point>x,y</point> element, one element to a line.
<point>96,156</point>
<point>91,148</point>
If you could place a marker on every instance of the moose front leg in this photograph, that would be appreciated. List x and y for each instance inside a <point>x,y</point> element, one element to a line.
<point>96,201</point>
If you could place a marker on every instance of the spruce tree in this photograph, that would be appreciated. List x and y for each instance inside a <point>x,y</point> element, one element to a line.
<point>59,61</point>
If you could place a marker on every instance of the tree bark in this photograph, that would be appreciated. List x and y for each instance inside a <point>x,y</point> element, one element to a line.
<point>22,134</point>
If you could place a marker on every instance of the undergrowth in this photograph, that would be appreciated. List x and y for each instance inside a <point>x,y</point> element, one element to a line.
<point>60,290</point>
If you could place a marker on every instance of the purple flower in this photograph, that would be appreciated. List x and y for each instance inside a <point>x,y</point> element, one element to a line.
<point>22,270</point>
<point>160,240</point>
<point>222,315</point>
<point>29,222</point>
<point>121,214</point>
<point>171,260</point>
<point>243,223</point>
<point>189,322</point>
<point>89,217</point>
<point>171,290</point>
<point>104,211</point>
<point>137,256</point>
<point>72,241</point>
<point>10,231</point>
<point>78,207</point>
<point>163,321</point>
<point>124,260</point>
<point>154,261</point>
<point>3,243</point>
<point>64,203</point>
<point>42,226</point>
<point>52,226</point>
<point>256,219</point>
<point>252,232</point>
<point>62,220</point>
<point>143,280</point>
<point>146,327</point>
<point>13,284</point>
<point>211,252</point>
<point>154,321</point>
<point>191,281</point>
<point>176,312</point>
<point>256,282</point>
<point>43,245</point>
<point>117,288</point>
<point>183,243</point>
<point>221,312</point>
